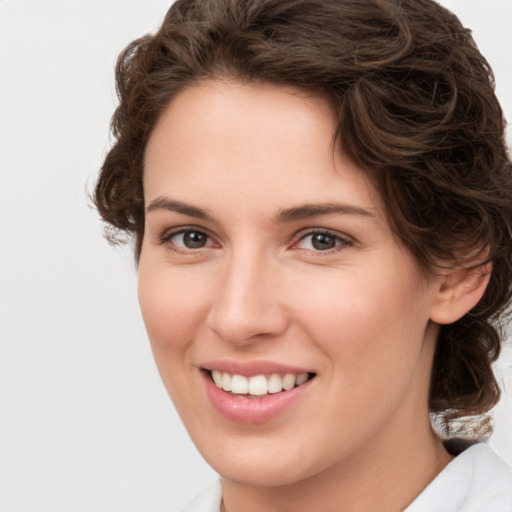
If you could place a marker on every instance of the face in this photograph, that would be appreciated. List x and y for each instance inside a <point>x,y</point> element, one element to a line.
<point>268,269</point>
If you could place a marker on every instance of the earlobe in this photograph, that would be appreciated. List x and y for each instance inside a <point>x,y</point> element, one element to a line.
<point>459,292</point>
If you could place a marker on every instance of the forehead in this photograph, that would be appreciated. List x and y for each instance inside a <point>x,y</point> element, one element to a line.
<point>247,113</point>
<point>259,142</point>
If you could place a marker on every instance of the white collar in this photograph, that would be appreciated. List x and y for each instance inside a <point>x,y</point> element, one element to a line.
<point>477,480</point>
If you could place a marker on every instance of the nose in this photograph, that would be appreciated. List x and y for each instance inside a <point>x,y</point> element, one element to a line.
<point>248,303</point>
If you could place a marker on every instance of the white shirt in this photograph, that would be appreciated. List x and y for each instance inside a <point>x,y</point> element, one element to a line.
<point>477,480</point>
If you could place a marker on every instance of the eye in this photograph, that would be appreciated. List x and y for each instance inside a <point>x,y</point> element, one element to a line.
<point>188,239</point>
<point>321,241</point>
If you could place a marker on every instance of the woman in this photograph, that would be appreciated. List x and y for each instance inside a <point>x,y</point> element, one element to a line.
<point>320,197</point>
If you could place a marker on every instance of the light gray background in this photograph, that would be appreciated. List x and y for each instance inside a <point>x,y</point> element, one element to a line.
<point>85,424</point>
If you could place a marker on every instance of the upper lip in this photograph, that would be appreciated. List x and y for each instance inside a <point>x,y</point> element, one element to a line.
<point>251,368</point>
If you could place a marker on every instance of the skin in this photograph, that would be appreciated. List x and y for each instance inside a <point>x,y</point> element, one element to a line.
<point>359,315</point>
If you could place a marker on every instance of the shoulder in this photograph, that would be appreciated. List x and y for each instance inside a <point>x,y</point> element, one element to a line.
<point>477,479</point>
<point>208,501</point>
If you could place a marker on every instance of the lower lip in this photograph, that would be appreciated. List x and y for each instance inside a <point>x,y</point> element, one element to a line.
<point>253,410</point>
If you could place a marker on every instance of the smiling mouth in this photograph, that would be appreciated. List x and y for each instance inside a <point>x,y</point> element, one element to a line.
<point>257,386</point>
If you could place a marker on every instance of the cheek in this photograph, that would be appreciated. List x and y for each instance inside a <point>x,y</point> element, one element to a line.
<point>172,308</point>
<point>372,333</point>
<point>363,322</point>
<point>172,305</point>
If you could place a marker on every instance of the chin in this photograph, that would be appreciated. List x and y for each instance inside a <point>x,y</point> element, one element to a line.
<point>271,462</point>
<point>260,473</point>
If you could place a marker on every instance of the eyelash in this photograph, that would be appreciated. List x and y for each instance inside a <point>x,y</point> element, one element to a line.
<point>166,239</point>
<point>341,241</point>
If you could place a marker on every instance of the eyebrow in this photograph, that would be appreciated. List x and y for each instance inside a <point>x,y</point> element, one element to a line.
<point>164,203</point>
<point>317,209</point>
<point>283,216</point>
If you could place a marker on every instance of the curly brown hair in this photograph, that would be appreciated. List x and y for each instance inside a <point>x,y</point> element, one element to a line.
<point>416,109</point>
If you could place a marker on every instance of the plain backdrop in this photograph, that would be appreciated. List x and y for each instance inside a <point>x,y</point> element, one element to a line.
<point>85,424</point>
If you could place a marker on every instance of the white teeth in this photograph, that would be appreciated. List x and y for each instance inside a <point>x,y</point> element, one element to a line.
<point>275,384</point>
<point>217,378</point>
<point>303,377</point>
<point>258,385</point>
<point>239,385</point>
<point>226,381</point>
<point>289,381</point>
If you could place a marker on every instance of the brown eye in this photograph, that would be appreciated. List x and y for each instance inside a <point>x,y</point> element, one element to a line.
<point>188,239</point>
<point>194,239</point>
<point>323,242</point>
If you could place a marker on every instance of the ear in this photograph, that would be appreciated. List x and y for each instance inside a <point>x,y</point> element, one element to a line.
<point>458,292</point>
